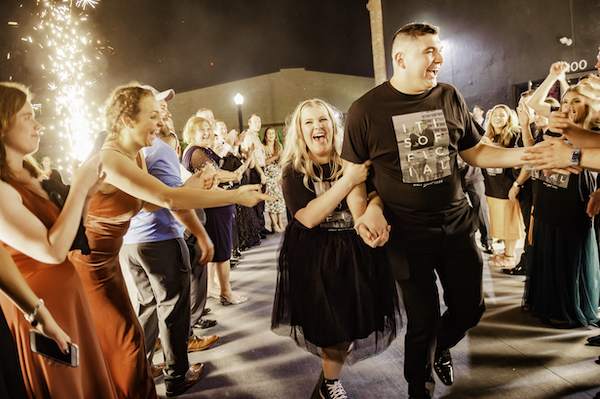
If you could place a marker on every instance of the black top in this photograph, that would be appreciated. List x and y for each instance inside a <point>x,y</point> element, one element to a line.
<point>413,143</point>
<point>498,181</point>
<point>297,196</point>
<point>561,200</point>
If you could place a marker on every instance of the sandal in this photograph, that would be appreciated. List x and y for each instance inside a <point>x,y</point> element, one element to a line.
<point>503,261</point>
<point>496,256</point>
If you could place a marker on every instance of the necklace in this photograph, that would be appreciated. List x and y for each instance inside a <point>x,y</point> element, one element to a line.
<point>119,146</point>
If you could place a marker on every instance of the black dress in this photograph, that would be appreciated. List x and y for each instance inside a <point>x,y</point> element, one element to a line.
<point>332,288</point>
<point>219,220</point>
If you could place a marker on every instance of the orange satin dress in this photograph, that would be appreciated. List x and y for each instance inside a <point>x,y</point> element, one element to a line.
<point>63,294</point>
<point>120,333</point>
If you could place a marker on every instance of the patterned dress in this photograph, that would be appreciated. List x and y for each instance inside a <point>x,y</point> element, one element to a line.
<point>273,174</point>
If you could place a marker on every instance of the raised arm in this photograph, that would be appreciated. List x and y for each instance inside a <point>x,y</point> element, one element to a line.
<point>557,72</point>
<point>22,230</point>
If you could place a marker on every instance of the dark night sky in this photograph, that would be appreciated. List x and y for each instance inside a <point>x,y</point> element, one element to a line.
<point>189,44</point>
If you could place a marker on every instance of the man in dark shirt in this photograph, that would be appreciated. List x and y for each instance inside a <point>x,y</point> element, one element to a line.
<point>432,223</point>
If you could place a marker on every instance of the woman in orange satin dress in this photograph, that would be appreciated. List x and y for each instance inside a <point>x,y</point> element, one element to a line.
<point>133,119</point>
<point>38,236</point>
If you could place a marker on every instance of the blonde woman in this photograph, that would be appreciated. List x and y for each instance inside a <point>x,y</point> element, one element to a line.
<point>327,275</point>
<point>506,219</point>
<point>564,271</point>
<point>199,134</point>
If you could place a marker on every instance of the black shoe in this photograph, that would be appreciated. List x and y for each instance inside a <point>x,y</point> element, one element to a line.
<point>263,236</point>
<point>594,341</point>
<point>177,387</point>
<point>488,249</point>
<point>515,271</point>
<point>205,312</point>
<point>233,264</point>
<point>205,323</point>
<point>443,366</point>
<point>332,389</point>
<point>236,254</point>
<point>267,232</point>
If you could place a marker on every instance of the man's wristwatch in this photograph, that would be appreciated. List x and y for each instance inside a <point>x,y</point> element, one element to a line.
<point>575,157</point>
<point>515,184</point>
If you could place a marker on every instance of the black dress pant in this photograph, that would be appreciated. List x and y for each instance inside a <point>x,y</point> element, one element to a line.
<point>457,261</point>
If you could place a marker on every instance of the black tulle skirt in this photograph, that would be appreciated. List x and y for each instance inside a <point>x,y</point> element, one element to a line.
<point>331,289</point>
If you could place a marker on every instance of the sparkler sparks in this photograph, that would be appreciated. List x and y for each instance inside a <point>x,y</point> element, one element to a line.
<point>67,58</point>
<point>84,3</point>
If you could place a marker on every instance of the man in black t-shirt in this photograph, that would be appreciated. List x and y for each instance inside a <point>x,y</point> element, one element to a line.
<point>412,129</point>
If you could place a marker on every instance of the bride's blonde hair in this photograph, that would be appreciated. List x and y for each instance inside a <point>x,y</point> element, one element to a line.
<point>296,151</point>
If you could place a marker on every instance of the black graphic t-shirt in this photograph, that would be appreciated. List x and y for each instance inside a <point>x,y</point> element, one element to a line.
<point>297,196</point>
<point>498,181</point>
<point>413,142</point>
<point>561,200</point>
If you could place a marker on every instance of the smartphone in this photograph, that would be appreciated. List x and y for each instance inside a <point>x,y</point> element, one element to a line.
<point>45,346</point>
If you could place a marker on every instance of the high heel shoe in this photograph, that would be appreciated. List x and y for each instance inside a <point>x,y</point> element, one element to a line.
<point>225,301</point>
<point>214,295</point>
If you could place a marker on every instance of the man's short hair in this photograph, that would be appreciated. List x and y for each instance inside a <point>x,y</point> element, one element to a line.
<point>478,106</point>
<point>413,31</point>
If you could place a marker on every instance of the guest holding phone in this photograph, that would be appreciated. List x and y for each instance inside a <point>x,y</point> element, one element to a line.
<point>38,235</point>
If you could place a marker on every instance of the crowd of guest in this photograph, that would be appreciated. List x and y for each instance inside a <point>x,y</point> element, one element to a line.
<point>178,211</point>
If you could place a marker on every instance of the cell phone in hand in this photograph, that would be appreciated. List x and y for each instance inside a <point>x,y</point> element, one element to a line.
<point>48,347</point>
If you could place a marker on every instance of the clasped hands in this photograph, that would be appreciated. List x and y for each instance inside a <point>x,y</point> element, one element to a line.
<point>553,155</point>
<point>373,228</point>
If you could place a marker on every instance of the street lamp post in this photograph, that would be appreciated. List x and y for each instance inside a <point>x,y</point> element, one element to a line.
<point>239,100</point>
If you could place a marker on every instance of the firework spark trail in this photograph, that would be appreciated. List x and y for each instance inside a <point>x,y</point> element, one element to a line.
<point>69,54</point>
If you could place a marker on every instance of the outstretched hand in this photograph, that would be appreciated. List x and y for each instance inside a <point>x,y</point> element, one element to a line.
<point>250,195</point>
<point>204,179</point>
<point>552,153</point>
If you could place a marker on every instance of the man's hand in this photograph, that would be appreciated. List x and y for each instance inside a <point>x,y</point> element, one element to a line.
<point>552,153</point>
<point>372,227</point>
<point>207,247</point>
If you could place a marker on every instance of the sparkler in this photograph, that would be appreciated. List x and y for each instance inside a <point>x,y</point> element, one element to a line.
<point>68,62</point>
